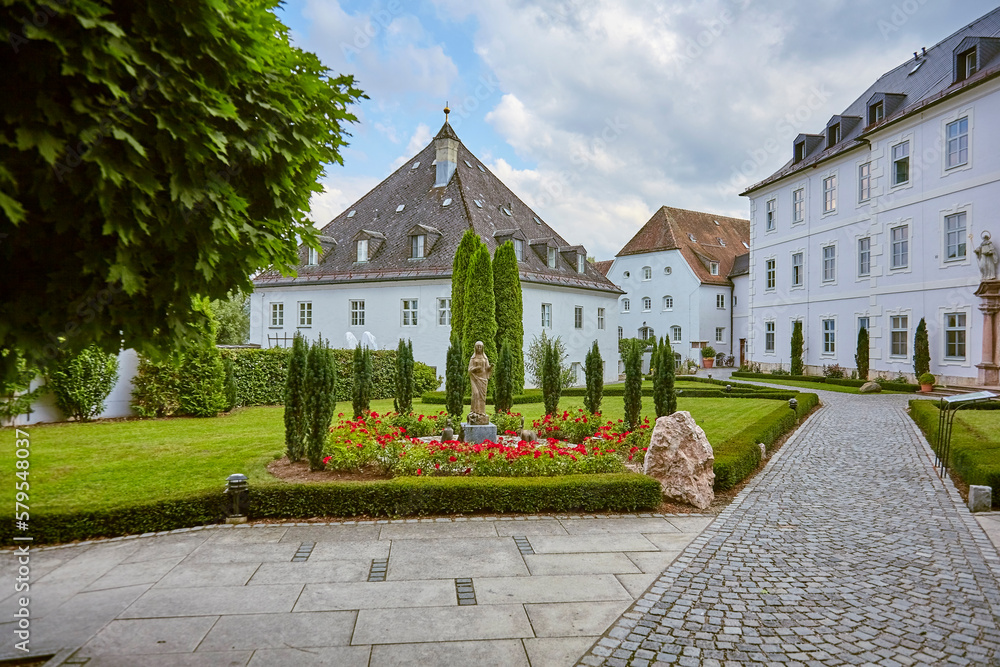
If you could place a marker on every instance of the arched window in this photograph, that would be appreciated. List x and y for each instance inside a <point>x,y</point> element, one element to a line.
<point>647,273</point>
<point>675,333</point>
<point>625,305</point>
<point>621,333</point>
<point>668,302</point>
<point>647,303</point>
<point>646,333</point>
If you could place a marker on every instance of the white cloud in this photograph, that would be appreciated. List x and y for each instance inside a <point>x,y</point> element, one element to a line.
<point>339,192</point>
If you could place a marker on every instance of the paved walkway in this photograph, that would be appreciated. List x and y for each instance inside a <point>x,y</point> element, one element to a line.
<point>847,549</point>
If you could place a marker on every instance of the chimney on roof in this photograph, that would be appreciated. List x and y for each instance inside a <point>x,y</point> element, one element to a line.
<point>445,152</point>
<point>924,50</point>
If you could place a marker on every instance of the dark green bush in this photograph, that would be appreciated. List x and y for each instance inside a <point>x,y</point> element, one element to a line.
<point>921,350</point>
<point>361,394</point>
<point>861,356</point>
<point>594,367</point>
<point>82,381</point>
<point>424,378</point>
<point>154,388</point>
<point>503,388</point>
<point>201,382</point>
<point>551,378</point>
<point>403,400</point>
<point>633,384</point>
<point>295,399</point>
<point>456,380</point>
<point>320,389</point>
<point>797,345</point>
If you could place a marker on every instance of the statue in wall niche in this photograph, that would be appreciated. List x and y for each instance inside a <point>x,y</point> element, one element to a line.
<point>986,254</point>
<point>480,370</point>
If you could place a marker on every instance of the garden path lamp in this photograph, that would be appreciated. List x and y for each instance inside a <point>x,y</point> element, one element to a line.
<point>793,404</point>
<point>237,498</point>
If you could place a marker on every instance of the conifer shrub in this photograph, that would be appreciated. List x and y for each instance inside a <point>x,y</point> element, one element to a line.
<point>362,394</point>
<point>797,347</point>
<point>467,247</point>
<point>480,308</point>
<point>921,350</point>
<point>320,388</point>
<point>861,356</point>
<point>503,394</point>
<point>509,308</point>
<point>633,384</point>
<point>403,401</point>
<point>295,400</point>
<point>551,380</point>
<point>456,379</point>
<point>594,369</point>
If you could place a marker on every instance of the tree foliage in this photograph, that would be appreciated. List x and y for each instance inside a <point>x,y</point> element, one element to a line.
<point>551,377</point>
<point>509,308</point>
<point>295,400</point>
<point>921,350</point>
<point>797,347</point>
<point>480,307</point>
<point>321,400</point>
<point>232,318</point>
<point>594,368</point>
<point>535,356</point>
<point>362,395</point>
<point>503,390</point>
<point>16,394</point>
<point>81,382</point>
<point>456,379</point>
<point>153,152</point>
<point>861,357</point>
<point>403,401</point>
<point>633,384</point>
<point>467,248</point>
<point>664,394</point>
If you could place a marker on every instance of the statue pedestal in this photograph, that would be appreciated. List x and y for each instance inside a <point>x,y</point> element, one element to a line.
<point>476,433</point>
<point>989,306</point>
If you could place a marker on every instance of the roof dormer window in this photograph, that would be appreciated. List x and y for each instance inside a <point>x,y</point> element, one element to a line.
<point>967,64</point>
<point>551,258</point>
<point>833,135</point>
<point>313,257</point>
<point>581,263</point>
<point>876,112</point>
<point>519,249</point>
<point>362,250</point>
<point>800,151</point>
<point>418,243</point>
<point>713,268</point>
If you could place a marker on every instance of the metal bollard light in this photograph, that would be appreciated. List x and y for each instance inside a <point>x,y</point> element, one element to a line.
<point>729,388</point>
<point>237,498</point>
<point>793,404</point>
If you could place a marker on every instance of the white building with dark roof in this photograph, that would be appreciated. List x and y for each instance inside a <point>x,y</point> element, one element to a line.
<point>874,221</point>
<point>386,264</point>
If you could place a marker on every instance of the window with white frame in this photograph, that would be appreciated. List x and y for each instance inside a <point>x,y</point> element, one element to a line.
<point>967,64</point>
<point>409,307</point>
<point>362,255</point>
<point>798,205</point>
<point>864,257</point>
<point>578,317</point>
<point>675,333</point>
<point>770,274</point>
<point>600,318</point>
<point>625,305</point>
<point>668,302</point>
<point>954,237</point>
<point>899,335</point>
<point>769,336</point>
<point>900,239</point>
<point>770,214</point>
<point>829,263</point>
<point>797,269</point>
<point>830,194</point>
<point>305,313</point>
<point>546,315</point>
<point>519,249</point>
<point>829,336</point>
<point>901,163</point>
<point>720,334</point>
<point>957,143</point>
<point>720,301</point>
<point>865,182</point>
<point>357,313</point>
<point>417,245</point>
<point>277,314</point>
<point>954,336</point>
<point>621,333</point>
<point>313,257</point>
<point>713,268</point>
<point>647,304</point>
<point>645,333</point>
<point>647,273</point>
<point>863,323</point>
<point>876,112</point>
<point>552,258</point>
<point>444,311</point>
<point>581,263</point>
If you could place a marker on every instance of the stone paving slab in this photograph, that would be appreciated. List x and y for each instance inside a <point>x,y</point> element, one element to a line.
<point>556,651</point>
<point>438,558</point>
<point>198,575</point>
<point>311,572</point>
<point>380,595</point>
<point>441,624</point>
<point>575,619</point>
<point>430,531</point>
<point>265,631</point>
<point>226,659</point>
<point>135,573</point>
<point>338,656</point>
<point>214,601</point>
<point>214,552</point>
<point>149,635</point>
<point>594,563</point>
<point>506,652</point>
<point>543,527</point>
<point>558,544</point>
<point>554,588</point>
<point>335,534</point>
<point>618,526</point>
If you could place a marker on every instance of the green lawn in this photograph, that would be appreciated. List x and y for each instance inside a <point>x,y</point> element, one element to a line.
<point>105,465</point>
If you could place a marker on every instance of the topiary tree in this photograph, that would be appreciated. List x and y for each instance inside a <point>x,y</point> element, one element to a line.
<point>480,307</point>
<point>456,378</point>
<point>594,367</point>
<point>509,308</point>
<point>633,384</point>
<point>797,346</point>
<point>362,381</point>
<point>295,400</point>
<point>503,389</point>
<point>861,357</point>
<point>551,378</point>
<point>403,402</point>
<point>321,400</point>
<point>921,350</point>
<point>81,382</point>
<point>467,247</point>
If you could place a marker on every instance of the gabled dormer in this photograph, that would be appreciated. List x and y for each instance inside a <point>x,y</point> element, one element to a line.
<point>367,244</point>
<point>327,246</point>
<point>839,128</point>
<point>973,54</point>
<point>883,105</point>
<point>804,145</point>
<point>547,250</point>
<point>576,256</point>
<point>422,239</point>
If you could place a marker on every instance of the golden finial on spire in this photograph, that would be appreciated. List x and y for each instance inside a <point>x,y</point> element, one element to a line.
<point>446,111</point>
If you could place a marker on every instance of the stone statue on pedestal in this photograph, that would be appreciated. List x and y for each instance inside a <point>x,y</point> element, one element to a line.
<point>480,370</point>
<point>986,254</point>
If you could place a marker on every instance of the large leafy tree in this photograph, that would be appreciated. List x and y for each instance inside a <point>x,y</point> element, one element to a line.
<point>509,308</point>
<point>154,151</point>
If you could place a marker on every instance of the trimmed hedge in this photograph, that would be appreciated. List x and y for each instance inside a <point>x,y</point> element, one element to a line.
<point>535,395</point>
<point>403,496</point>
<point>844,382</point>
<point>742,455</point>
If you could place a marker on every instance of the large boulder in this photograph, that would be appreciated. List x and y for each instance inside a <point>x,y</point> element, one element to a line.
<point>680,458</point>
<point>870,388</point>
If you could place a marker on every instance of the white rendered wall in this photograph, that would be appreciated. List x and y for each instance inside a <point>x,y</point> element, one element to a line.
<point>741,312</point>
<point>927,287</point>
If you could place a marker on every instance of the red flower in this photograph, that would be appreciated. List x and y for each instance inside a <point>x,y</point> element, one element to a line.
<point>326,459</point>
<point>420,471</point>
<point>452,458</point>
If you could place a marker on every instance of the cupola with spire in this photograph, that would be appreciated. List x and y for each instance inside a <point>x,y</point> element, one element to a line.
<point>445,152</point>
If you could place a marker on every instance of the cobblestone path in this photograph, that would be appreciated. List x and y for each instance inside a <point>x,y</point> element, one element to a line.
<point>846,549</point>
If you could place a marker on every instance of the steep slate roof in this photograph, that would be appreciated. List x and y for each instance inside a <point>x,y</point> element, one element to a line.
<point>604,266</point>
<point>716,239</point>
<point>741,265</point>
<point>919,87</point>
<point>498,216</point>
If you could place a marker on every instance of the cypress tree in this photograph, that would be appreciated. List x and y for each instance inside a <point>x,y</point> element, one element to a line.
<point>633,384</point>
<point>321,400</point>
<point>467,247</point>
<point>921,350</point>
<point>480,308</point>
<point>669,374</point>
<point>455,380</point>
<point>660,362</point>
<point>295,398</point>
<point>362,381</point>
<point>551,377</point>
<point>861,358</point>
<point>503,391</point>
<point>403,402</point>
<point>594,368</point>
<point>797,345</point>
<point>509,308</point>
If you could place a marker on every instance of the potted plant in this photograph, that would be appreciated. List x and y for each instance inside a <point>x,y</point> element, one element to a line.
<point>708,356</point>
<point>926,382</point>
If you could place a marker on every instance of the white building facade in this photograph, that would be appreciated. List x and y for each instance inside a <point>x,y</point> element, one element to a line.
<point>874,222</point>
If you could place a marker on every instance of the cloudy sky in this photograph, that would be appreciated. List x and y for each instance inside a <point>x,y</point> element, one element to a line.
<point>597,112</point>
